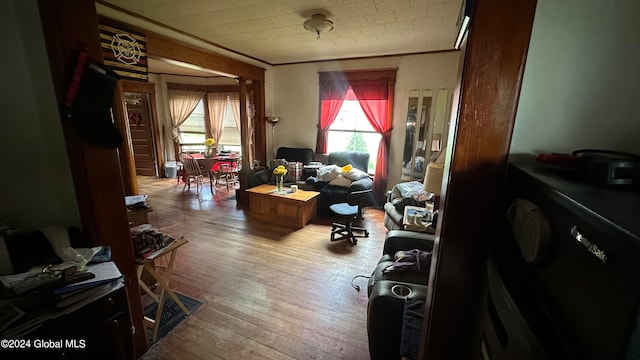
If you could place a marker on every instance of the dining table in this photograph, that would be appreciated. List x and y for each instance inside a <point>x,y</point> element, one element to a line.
<point>207,163</point>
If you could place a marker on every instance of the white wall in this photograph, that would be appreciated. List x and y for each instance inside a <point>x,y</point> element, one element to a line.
<point>36,188</point>
<point>581,86</point>
<point>296,98</point>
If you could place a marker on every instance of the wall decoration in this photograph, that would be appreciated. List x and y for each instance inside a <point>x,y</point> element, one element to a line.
<point>135,118</point>
<point>125,52</point>
<point>126,49</point>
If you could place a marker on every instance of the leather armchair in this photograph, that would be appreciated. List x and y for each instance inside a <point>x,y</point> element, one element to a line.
<point>358,159</point>
<point>291,154</point>
<point>398,240</point>
<point>389,292</point>
<point>332,194</point>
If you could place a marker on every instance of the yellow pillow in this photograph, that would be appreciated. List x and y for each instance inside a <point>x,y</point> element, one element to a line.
<point>347,168</point>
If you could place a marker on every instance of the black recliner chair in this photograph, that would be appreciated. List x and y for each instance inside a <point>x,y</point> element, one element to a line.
<point>390,295</point>
<point>333,194</point>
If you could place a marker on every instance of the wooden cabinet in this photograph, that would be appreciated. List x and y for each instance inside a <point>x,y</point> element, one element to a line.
<point>291,209</point>
<point>98,329</point>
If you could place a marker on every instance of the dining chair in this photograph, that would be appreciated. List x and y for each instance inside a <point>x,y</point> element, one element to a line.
<point>192,172</point>
<point>227,171</point>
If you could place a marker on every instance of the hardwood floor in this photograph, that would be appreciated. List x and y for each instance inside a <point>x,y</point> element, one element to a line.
<point>269,292</point>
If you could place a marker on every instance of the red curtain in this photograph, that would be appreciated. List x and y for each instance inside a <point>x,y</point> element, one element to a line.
<point>328,111</point>
<point>374,91</point>
<point>332,94</point>
<point>373,97</point>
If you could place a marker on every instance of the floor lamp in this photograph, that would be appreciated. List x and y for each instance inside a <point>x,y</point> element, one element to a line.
<point>273,120</point>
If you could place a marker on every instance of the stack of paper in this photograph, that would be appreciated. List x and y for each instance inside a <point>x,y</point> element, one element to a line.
<point>104,272</point>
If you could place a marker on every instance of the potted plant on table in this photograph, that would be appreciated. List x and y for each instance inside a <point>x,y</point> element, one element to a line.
<point>279,172</point>
<point>210,151</point>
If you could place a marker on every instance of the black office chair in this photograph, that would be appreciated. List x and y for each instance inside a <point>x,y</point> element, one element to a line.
<point>350,211</point>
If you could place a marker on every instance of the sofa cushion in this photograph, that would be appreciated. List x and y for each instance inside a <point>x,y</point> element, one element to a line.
<point>328,172</point>
<point>410,260</point>
<point>355,174</point>
<point>390,224</point>
<point>362,184</point>
<point>409,276</point>
<point>340,180</point>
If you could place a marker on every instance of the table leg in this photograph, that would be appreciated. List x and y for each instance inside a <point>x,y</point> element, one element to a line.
<point>165,285</point>
<point>164,290</point>
<point>158,316</point>
<point>211,181</point>
<point>143,285</point>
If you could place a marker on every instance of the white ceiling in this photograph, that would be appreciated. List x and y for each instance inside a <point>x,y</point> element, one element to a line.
<point>271,31</point>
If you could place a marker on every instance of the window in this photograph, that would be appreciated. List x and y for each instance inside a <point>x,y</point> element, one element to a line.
<point>372,89</point>
<point>230,138</point>
<point>192,131</point>
<point>351,131</point>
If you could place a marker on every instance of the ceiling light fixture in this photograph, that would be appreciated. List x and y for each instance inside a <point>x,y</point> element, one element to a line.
<point>318,24</point>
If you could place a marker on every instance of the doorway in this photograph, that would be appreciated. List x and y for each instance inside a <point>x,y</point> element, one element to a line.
<point>139,99</point>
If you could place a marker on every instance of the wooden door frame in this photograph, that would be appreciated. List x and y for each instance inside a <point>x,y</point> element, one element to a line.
<point>96,171</point>
<point>481,130</point>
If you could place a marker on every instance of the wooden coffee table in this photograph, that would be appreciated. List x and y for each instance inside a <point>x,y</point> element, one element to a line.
<point>289,209</point>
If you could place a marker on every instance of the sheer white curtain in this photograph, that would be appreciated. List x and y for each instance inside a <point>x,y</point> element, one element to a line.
<point>235,107</point>
<point>181,105</point>
<point>217,103</point>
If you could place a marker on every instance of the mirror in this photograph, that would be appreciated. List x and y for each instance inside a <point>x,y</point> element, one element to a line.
<point>427,115</point>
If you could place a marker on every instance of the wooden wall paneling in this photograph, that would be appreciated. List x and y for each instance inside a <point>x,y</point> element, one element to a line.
<point>361,74</point>
<point>259,140</point>
<point>205,88</point>
<point>164,47</point>
<point>244,141</point>
<point>491,81</point>
<point>260,131</point>
<point>68,26</point>
<point>125,150</point>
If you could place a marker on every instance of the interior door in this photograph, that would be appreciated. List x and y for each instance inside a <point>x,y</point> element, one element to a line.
<point>139,99</point>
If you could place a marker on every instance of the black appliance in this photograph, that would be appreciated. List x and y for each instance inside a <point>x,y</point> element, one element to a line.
<point>600,167</point>
<point>566,269</point>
